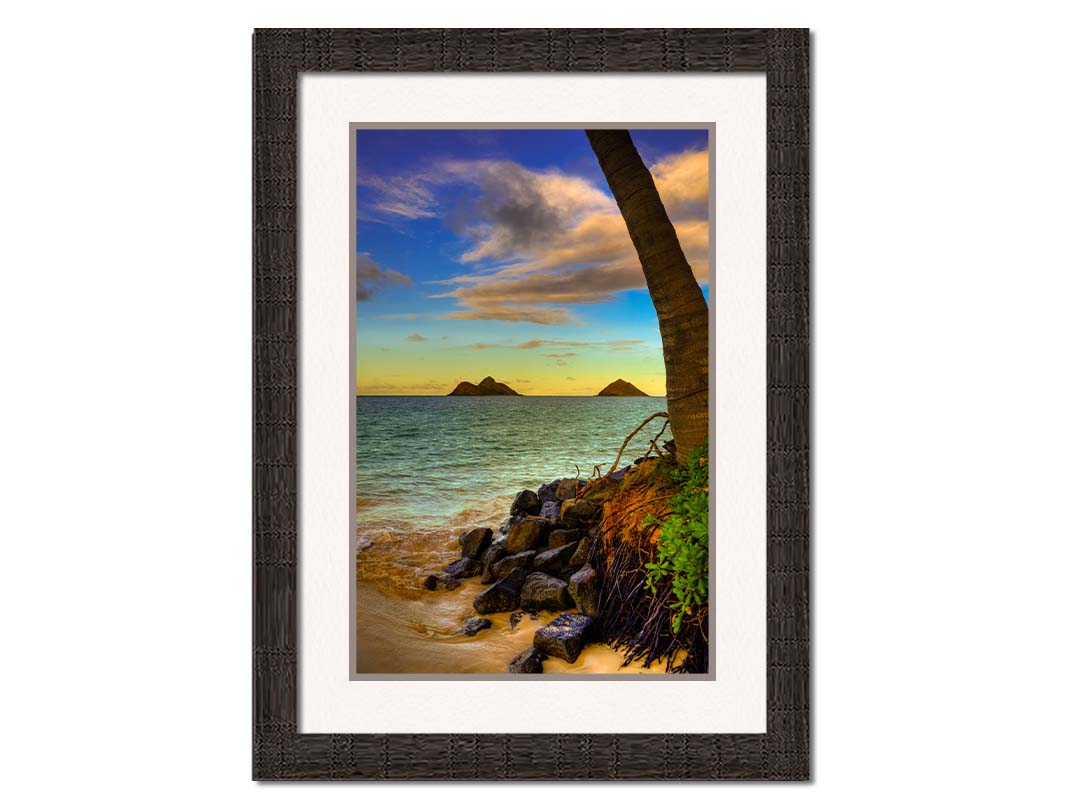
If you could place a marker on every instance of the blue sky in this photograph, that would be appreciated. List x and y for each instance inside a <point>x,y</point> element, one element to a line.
<point>502,252</point>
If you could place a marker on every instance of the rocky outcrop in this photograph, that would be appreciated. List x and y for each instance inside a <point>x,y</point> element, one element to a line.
<point>577,513</point>
<point>527,662</point>
<point>620,388</point>
<point>464,568</point>
<point>550,510</point>
<point>581,553</point>
<point>473,542</point>
<point>555,559</point>
<point>563,536</point>
<point>486,387</point>
<point>502,595</point>
<point>526,503</point>
<point>541,592</point>
<point>544,559</point>
<point>526,534</point>
<point>567,489</point>
<point>446,582</point>
<point>564,637</point>
<point>584,589</point>
<point>473,625</point>
<point>493,553</point>
<point>508,564</point>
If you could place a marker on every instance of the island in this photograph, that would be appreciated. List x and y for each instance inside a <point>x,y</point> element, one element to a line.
<point>620,388</point>
<point>488,387</point>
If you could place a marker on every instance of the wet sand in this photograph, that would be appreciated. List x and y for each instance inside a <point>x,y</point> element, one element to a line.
<point>402,634</point>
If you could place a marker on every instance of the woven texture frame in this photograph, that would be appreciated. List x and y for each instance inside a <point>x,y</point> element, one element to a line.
<point>279,751</point>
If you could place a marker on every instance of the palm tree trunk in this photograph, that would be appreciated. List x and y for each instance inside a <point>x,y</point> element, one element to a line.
<point>679,302</point>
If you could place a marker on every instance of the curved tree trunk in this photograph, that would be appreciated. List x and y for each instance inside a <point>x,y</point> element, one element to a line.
<point>679,302</point>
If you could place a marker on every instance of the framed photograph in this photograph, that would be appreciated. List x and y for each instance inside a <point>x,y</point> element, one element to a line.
<point>531,404</point>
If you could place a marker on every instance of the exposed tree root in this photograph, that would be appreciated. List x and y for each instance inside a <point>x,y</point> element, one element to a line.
<point>626,441</point>
<point>632,619</point>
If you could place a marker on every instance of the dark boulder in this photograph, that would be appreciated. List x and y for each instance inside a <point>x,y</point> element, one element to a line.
<point>547,491</point>
<point>543,592</point>
<point>492,554</point>
<point>473,625</point>
<point>526,534</point>
<point>581,553</point>
<point>550,510</point>
<point>567,489</point>
<point>584,589</point>
<point>525,502</point>
<point>508,564</point>
<point>578,512</point>
<point>446,582</point>
<point>464,568</point>
<point>502,595</point>
<point>528,661</point>
<point>564,637</point>
<point>473,542</point>
<point>565,536</point>
<point>555,559</point>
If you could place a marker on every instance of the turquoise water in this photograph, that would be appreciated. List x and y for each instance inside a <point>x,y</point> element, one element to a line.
<point>435,463</point>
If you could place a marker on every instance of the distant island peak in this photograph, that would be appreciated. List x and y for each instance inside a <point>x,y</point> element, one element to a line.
<point>487,387</point>
<point>620,388</point>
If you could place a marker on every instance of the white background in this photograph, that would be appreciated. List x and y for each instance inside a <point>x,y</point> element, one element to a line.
<point>736,701</point>
<point>939,273</point>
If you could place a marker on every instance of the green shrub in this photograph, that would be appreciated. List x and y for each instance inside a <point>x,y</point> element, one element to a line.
<point>682,547</point>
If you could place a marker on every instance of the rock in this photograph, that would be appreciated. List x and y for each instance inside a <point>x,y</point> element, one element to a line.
<point>515,619</point>
<point>446,582</point>
<point>492,554</point>
<point>567,489</point>
<point>600,491</point>
<point>508,564</point>
<point>564,637</point>
<point>581,553</point>
<point>577,512</point>
<point>565,575</point>
<point>473,543</point>
<point>502,595</point>
<point>555,559</point>
<point>526,535</point>
<point>473,625</point>
<point>584,589</point>
<point>547,491</point>
<point>528,661</point>
<point>464,568</point>
<point>565,536</point>
<point>550,510</point>
<point>543,592</point>
<point>526,502</point>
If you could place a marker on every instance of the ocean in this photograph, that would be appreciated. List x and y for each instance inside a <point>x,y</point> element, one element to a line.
<point>436,462</point>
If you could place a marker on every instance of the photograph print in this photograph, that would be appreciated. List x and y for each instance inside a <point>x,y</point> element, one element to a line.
<point>530,379</point>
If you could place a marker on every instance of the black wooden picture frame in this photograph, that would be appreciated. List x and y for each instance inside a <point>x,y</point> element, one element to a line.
<point>280,752</point>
